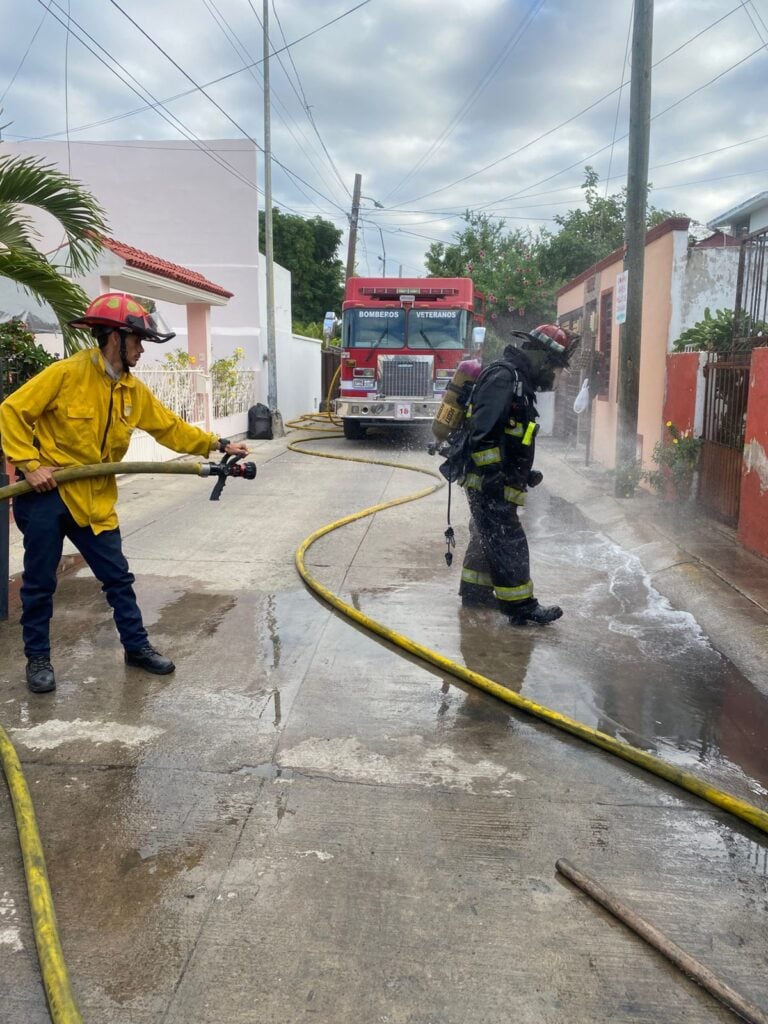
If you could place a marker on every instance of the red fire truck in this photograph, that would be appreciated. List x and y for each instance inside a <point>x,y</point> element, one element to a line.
<point>401,341</point>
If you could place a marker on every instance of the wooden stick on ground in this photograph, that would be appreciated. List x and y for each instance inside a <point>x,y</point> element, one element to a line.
<point>684,961</point>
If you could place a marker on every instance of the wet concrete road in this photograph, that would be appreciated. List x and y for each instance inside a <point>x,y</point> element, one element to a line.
<point>304,824</point>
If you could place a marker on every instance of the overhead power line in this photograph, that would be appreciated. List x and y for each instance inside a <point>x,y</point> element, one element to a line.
<point>216,104</point>
<point>171,119</point>
<point>581,160</point>
<point>206,85</point>
<point>569,120</point>
<point>244,55</point>
<point>304,102</point>
<point>478,90</point>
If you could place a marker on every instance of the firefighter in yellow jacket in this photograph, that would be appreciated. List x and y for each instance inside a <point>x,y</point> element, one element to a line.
<point>76,412</point>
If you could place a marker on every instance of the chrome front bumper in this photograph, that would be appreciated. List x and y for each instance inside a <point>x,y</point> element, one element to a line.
<point>387,410</point>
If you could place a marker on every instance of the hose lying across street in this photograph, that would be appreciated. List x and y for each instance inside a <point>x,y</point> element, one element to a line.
<point>55,977</point>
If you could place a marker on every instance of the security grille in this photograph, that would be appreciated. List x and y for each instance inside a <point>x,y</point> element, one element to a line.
<point>722,448</point>
<point>406,375</point>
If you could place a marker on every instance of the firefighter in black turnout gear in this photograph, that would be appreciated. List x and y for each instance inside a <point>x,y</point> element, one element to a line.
<point>502,426</point>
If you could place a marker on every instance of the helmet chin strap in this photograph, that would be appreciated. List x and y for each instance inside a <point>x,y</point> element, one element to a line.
<point>124,350</point>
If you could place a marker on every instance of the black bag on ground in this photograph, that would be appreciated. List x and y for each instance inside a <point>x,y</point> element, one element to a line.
<point>259,423</point>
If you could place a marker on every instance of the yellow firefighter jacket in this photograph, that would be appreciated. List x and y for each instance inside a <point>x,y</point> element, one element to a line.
<point>73,414</point>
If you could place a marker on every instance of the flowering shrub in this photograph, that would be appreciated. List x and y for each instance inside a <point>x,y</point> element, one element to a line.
<point>179,360</point>
<point>677,457</point>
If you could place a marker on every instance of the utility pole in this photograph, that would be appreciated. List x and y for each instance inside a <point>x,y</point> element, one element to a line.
<point>353,223</point>
<point>268,247</point>
<point>634,258</point>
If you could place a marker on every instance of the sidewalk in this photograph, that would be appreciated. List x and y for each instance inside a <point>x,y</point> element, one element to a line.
<point>693,560</point>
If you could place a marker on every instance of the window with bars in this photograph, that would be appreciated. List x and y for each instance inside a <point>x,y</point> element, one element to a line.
<point>603,353</point>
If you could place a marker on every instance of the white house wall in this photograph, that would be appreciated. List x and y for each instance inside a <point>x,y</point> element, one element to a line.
<point>299,375</point>
<point>171,200</point>
<point>701,279</point>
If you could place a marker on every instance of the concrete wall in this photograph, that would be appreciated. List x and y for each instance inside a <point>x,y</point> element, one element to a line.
<point>287,370</point>
<point>701,279</point>
<point>753,513</point>
<point>299,375</point>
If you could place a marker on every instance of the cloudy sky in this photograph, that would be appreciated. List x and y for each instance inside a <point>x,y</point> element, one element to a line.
<point>440,105</point>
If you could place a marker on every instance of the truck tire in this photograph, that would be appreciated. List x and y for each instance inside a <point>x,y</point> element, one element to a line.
<point>353,429</point>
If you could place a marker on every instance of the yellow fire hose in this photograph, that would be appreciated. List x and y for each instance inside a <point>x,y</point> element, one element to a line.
<point>112,469</point>
<point>58,990</point>
<point>686,780</point>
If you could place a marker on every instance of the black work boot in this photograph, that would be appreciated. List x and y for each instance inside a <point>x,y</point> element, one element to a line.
<point>40,677</point>
<point>150,660</point>
<point>536,613</point>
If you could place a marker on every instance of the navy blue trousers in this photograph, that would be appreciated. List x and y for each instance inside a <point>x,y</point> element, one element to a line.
<point>45,521</point>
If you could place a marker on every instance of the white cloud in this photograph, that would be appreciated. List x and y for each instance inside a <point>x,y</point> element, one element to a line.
<point>384,83</point>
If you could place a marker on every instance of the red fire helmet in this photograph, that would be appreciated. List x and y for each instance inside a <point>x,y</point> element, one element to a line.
<point>552,336</point>
<point>122,312</point>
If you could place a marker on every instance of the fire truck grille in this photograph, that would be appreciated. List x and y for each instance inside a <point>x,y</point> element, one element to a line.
<point>406,375</point>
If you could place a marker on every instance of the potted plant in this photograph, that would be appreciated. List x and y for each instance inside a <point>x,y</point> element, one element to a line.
<point>677,456</point>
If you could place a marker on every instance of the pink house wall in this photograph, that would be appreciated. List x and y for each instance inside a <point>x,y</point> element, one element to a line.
<point>753,513</point>
<point>660,249</point>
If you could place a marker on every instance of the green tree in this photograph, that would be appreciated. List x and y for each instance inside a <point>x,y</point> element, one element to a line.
<point>309,249</point>
<point>20,356</point>
<point>587,236</point>
<point>28,182</point>
<point>503,264</point>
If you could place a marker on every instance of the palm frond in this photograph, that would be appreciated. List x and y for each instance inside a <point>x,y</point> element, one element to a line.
<point>16,228</point>
<point>37,277</point>
<point>29,181</point>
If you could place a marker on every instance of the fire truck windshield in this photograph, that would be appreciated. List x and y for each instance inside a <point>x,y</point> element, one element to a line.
<point>374,328</point>
<point>388,328</point>
<point>437,328</point>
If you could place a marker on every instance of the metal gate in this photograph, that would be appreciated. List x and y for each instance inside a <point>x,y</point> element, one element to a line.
<point>752,290</point>
<point>725,411</point>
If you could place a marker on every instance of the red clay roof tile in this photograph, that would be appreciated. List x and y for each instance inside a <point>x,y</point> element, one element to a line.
<point>163,268</point>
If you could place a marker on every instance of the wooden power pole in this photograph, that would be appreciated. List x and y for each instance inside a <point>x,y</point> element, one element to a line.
<point>353,225</point>
<point>634,260</point>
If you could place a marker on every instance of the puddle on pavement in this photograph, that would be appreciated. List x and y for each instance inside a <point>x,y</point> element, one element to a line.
<point>621,660</point>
